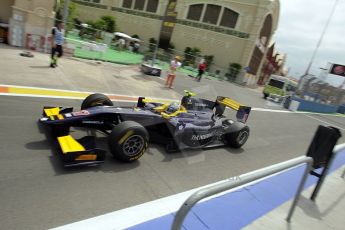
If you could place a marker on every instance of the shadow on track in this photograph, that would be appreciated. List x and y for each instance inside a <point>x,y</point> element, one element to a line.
<point>111,165</point>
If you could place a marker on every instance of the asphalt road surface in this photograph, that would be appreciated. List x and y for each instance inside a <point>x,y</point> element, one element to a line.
<point>38,193</point>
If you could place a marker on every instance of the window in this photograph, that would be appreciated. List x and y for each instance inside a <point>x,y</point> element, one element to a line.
<point>139,4</point>
<point>152,6</point>
<point>93,1</point>
<point>291,88</point>
<point>276,83</point>
<point>212,14</point>
<point>127,4</point>
<point>229,18</point>
<point>195,11</point>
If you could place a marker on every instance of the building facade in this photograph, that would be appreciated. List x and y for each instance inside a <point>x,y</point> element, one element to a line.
<point>233,31</point>
<point>274,63</point>
<point>28,22</point>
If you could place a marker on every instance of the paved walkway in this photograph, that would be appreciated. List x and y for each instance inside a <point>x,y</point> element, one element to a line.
<point>78,75</point>
<point>327,212</point>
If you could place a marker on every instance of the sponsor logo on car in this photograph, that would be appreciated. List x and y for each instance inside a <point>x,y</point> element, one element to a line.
<point>200,104</point>
<point>93,122</point>
<point>202,136</point>
<point>81,113</point>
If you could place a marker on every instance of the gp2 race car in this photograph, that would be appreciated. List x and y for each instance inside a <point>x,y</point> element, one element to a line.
<point>192,123</point>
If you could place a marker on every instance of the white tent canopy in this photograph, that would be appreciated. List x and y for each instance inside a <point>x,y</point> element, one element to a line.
<point>126,36</point>
<point>123,35</point>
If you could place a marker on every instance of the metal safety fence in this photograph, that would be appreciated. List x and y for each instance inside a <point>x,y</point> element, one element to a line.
<point>89,43</point>
<point>84,41</point>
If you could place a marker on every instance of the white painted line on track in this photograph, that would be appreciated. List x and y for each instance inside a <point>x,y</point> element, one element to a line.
<point>57,97</point>
<point>67,91</point>
<point>272,110</point>
<point>325,122</point>
<point>134,96</point>
<point>295,112</point>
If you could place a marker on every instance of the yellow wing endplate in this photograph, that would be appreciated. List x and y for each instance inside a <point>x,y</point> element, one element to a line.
<point>51,111</point>
<point>69,144</point>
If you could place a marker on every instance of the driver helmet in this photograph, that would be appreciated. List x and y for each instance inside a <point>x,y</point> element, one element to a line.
<point>173,107</point>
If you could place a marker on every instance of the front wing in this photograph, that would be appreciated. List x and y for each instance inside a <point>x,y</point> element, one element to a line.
<point>75,152</point>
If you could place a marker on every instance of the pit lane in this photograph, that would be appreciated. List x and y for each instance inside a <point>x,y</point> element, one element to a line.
<point>38,193</point>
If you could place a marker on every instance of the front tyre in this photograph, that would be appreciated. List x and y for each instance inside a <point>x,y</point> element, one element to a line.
<point>128,141</point>
<point>237,139</point>
<point>96,99</point>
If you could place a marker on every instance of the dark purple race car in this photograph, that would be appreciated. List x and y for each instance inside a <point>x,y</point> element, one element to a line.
<point>192,123</point>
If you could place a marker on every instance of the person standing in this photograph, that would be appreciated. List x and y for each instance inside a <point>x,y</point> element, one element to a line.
<point>136,47</point>
<point>174,64</point>
<point>201,70</point>
<point>58,34</point>
<point>122,44</point>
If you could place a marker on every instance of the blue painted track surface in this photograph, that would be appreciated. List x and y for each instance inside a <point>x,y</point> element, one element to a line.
<point>237,209</point>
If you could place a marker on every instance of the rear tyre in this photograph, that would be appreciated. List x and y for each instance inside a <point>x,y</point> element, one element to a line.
<point>237,139</point>
<point>96,99</point>
<point>128,141</point>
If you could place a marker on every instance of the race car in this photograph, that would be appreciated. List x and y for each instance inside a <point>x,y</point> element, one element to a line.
<point>192,123</point>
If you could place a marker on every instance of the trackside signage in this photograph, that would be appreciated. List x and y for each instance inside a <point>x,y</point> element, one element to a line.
<point>168,24</point>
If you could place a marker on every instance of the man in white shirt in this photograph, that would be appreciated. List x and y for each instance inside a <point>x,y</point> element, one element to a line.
<point>58,34</point>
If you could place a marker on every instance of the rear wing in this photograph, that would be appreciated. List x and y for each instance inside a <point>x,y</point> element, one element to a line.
<point>242,111</point>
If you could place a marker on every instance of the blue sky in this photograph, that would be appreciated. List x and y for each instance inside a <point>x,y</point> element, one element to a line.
<point>300,26</point>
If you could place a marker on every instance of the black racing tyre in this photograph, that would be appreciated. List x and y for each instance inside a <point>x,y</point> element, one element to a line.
<point>265,96</point>
<point>95,99</point>
<point>128,141</point>
<point>237,139</point>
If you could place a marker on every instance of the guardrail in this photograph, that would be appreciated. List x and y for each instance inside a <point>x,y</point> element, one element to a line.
<point>242,180</point>
<point>337,149</point>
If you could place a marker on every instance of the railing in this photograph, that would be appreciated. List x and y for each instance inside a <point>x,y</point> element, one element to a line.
<point>242,180</point>
<point>339,148</point>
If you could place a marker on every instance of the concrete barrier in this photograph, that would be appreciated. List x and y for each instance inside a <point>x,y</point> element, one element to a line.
<point>311,106</point>
<point>341,109</point>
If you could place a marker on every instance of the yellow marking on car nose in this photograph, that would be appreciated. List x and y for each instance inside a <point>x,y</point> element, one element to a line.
<point>52,111</point>
<point>60,117</point>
